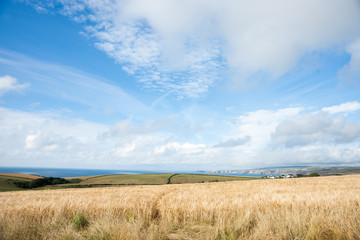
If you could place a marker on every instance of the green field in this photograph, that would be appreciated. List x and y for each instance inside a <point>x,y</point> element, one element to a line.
<point>6,183</point>
<point>131,179</point>
<point>158,179</point>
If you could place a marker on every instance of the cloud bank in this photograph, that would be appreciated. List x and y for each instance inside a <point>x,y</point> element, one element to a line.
<point>310,129</point>
<point>289,136</point>
<point>182,47</point>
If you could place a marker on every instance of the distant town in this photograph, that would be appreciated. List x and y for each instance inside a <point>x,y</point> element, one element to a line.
<point>291,172</point>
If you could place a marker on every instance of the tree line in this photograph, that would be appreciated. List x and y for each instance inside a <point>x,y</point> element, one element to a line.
<point>42,182</point>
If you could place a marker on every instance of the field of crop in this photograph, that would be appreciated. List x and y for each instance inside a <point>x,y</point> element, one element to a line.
<point>303,208</point>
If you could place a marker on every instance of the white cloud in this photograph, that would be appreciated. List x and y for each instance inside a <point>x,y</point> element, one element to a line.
<point>174,148</point>
<point>31,141</point>
<point>343,108</point>
<point>351,72</point>
<point>288,137</point>
<point>272,35</point>
<point>8,83</point>
<point>47,139</point>
<point>255,139</point>
<point>260,124</point>
<point>41,142</point>
<point>310,155</point>
<point>233,142</point>
<point>127,127</point>
<point>125,151</point>
<point>182,46</point>
<point>315,128</point>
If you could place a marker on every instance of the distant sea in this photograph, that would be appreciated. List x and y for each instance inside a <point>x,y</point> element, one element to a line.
<point>67,172</point>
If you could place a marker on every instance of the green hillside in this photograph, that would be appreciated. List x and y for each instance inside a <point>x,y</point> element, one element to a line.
<point>129,179</point>
<point>7,183</point>
<point>199,178</point>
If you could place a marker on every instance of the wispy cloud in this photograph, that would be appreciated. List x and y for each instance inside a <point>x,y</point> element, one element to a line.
<point>351,72</point>
<point>187,70</point>
<point>67,84</point>
<point>182,47</point>
<point>8,83</point>
<point>343,108</point>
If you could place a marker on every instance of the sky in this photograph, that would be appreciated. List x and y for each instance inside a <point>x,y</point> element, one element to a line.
<point>179,84</point>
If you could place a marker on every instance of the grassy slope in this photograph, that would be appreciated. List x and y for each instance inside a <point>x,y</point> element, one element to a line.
<point>81,177</point>
<point>334,170</point>
<point>138,179</point>
<point>157,179</point>
<point>5,183</point>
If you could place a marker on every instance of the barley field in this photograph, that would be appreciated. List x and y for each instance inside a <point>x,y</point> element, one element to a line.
<point>303,208</point>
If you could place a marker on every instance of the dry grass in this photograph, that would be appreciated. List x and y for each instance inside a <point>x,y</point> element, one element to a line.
<point>308,208</point>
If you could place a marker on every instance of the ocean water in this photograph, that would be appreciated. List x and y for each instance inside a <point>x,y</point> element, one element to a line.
<point>66,172</point>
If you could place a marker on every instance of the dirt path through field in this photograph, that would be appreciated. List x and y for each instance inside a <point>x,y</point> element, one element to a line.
<point>169,179</point>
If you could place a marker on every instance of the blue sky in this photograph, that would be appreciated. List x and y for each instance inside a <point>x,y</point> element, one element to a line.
<point>179,85</point>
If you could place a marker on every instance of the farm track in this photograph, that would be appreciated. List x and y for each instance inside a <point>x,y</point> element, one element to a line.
<point>169,179</point>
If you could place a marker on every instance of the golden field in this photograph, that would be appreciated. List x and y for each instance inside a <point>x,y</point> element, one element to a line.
<point>303,208</point>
